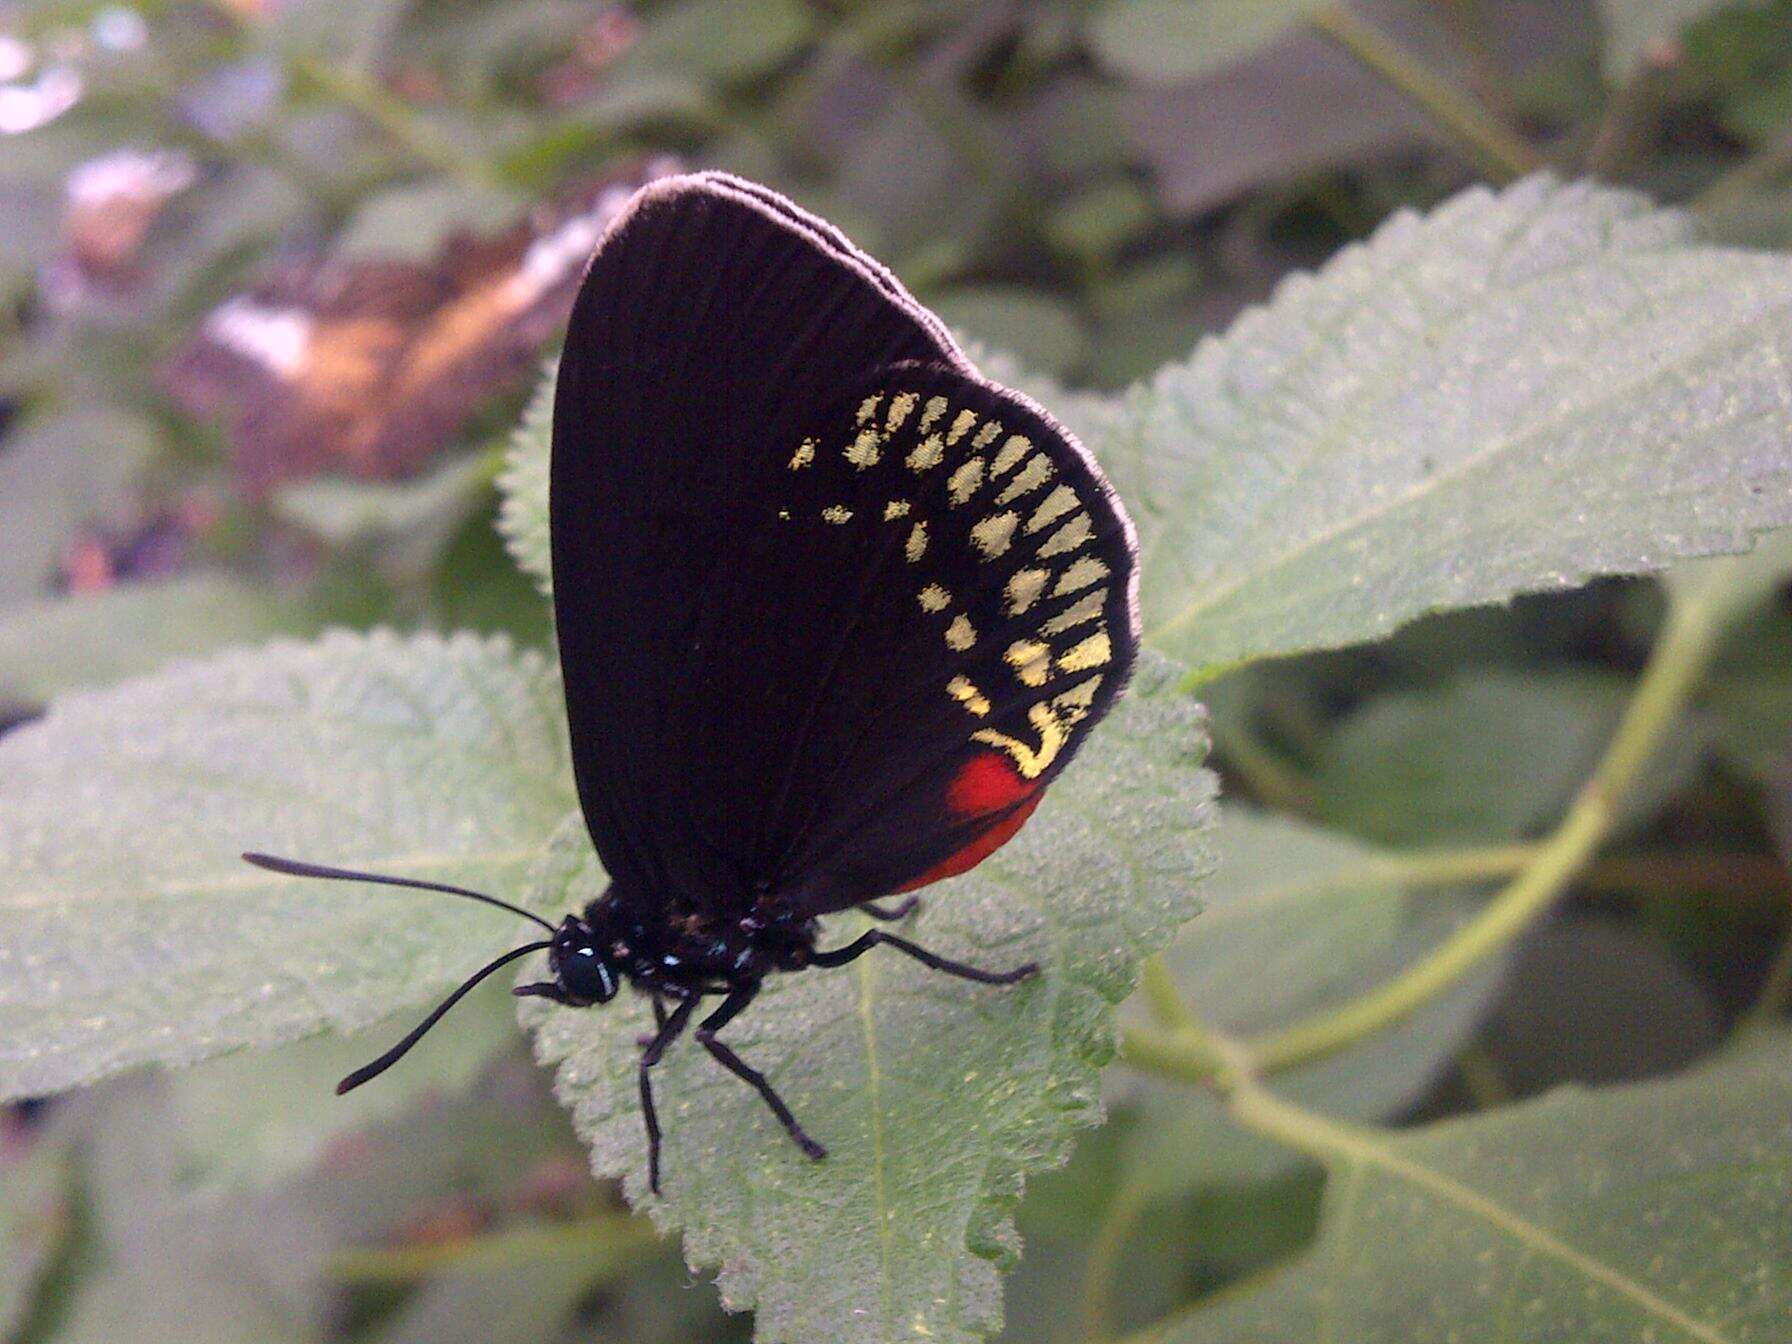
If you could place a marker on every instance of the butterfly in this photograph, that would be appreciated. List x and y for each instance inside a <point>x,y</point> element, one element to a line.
<point>833,610</point>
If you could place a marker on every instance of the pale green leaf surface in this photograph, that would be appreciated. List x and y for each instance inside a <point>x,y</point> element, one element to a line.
<point>1298,920</point>
<point>933,1096</point>
<point>523,484</point>
<point>1517,391</point>
<point>1651,1212</point>
<point>1490,755</point>
<point>1164,41</point>
<point>130,931</point>
<point>86,640</point>
<point>257,1117</point>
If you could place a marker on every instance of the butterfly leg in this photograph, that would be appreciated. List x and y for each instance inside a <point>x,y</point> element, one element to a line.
<point>706,1036</point>
<point>889,914</point>
<point>659,1022</point>
<point>670,1028</point>
<point>547,989</point>
<point>859,946</point>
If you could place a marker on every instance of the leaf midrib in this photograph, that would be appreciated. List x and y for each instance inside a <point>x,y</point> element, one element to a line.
<point>1358,1149</point>
<point>1218,593</point>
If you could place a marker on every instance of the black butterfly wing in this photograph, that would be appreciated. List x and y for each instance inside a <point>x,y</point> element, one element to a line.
<point>832,609</point>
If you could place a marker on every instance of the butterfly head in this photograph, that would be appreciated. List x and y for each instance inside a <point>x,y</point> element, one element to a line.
<point>583,961</point>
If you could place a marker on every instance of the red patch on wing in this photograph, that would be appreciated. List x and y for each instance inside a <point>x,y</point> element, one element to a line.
<point>984,784</point>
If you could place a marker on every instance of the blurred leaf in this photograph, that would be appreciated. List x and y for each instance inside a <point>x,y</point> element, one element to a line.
<point>1650,1212</point>
<point>933,1097</point>
<point>1638,31</point>
<point>1491,755</point>
<point>85,640</point>
<point>258,1118</point>
<point>1404,432</point>
<point>478,587</point>
<point>1040,329</point>
<point>1161,41</point>
<point>1095,224</point>
<point>727,40</point>
<point>34,1221</point>
<point>1299,920</point>
<point>340,510</point>
<point>1593,1001</point>
<point>131,931</point>
<point>523,485</point>
<point>413,221</point>
<point>56,473</point>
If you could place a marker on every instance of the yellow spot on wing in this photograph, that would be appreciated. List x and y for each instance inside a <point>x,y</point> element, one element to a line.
<point>960,635</point>
<point>1054,506</point>
<point>930,413</point>
<point>1073,705</point>
<point>987,435</point>
<point>1079,612</point>
<point>896,508</point>
<point>961,425</point>
<point>1017,447</point>
<point>916,545</point>
<point>836,513</point>
<point>927,454</point>
<point>934,598</point>
<point>1030,477</point>
<point>868,408</point>
<point>993,534</point>
<point>1030,660</point>
<point>1067,538</point>
<point>864,451</point>
<point>1094,651</point>
<point>962,690</point>
<point>804,455</point>
<point>963,482</point>
<point>1082,572</point>
<point>900,406</point>
<point>1024,587</point>
<point>1031,762</point>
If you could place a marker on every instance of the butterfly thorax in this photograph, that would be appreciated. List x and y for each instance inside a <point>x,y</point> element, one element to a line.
<point>689,953</point>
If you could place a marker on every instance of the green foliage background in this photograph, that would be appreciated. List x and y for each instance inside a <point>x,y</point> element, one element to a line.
<point>1416,334</point>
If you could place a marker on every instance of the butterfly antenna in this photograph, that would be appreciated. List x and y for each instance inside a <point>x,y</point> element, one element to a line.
<point>370,1071</point>
<point>295,868</point>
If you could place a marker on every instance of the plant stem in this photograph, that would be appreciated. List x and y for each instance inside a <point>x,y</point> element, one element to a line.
<point>1679,658</point>
<point>1697,617</point>
<point>610,1242</point>
<point>1104,1258</point>
<point>1493,146</point>
<point>394,118</point>
<point>1158,988</point>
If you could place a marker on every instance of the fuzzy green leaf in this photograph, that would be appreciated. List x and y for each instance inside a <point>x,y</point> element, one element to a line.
<point>934,1096</point>
<point>523,484</point>
<point>85,640</point>
<point>130,931</point>
<point>1519,391</point>
<point>1652,1212</point>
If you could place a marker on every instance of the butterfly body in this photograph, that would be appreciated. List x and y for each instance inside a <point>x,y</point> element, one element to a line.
<point>833,611</point>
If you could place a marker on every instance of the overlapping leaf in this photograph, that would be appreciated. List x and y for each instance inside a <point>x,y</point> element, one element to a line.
<point>131,931</point>
<point>932,1095</point>
<point>1515,392</point>
<point>1650,1212</point>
